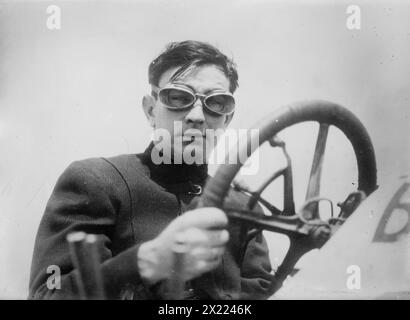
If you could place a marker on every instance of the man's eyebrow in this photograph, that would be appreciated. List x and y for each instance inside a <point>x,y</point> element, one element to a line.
<point>184,84</point>
<point>193,89</point>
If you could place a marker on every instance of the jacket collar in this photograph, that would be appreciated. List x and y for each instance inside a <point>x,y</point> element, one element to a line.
<point>176,177</point>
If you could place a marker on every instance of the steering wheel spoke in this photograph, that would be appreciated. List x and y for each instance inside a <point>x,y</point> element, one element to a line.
<point>255,197</point>
<point>282,224</point>
<point>313,189</point>
<point>316,171</point>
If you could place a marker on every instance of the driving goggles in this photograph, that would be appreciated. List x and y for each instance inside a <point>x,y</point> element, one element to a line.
<point>177,98</point>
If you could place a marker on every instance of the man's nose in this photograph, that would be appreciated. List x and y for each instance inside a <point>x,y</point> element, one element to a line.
<point>196,114</point>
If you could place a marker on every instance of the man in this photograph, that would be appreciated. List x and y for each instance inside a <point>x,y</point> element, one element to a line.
<point>141,209</point>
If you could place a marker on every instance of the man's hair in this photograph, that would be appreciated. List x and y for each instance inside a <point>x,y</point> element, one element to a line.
<point>190,54</point>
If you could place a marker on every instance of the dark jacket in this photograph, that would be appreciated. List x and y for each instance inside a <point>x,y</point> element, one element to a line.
<point>128,200</point>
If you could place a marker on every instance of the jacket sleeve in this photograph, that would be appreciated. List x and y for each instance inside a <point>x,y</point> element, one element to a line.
<point>257,279</point>
<point>87,197</point>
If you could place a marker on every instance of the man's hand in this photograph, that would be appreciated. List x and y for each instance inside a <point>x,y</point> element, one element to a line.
<point>202,235</point>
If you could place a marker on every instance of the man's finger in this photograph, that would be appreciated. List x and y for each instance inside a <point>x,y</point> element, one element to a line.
<point>206,266</point>
<point>208,238</point>
<point>204,218</point>
<point>208,254</point>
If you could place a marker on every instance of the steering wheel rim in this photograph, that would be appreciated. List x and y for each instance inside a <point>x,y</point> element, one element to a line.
<point>320,111</point>
<point>324,112</point>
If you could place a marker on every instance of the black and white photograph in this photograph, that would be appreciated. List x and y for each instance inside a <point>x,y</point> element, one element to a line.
<point>205,150</point>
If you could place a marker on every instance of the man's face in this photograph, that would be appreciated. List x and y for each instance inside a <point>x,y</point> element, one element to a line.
<point>202,80</point>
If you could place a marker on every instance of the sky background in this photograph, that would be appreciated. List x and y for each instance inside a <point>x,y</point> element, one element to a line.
<point>75,93</point>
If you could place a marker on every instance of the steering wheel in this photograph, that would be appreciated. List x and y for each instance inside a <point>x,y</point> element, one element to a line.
<point>305,229</point>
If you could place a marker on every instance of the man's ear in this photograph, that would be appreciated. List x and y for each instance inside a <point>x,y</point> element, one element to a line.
<point>148,105</point>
